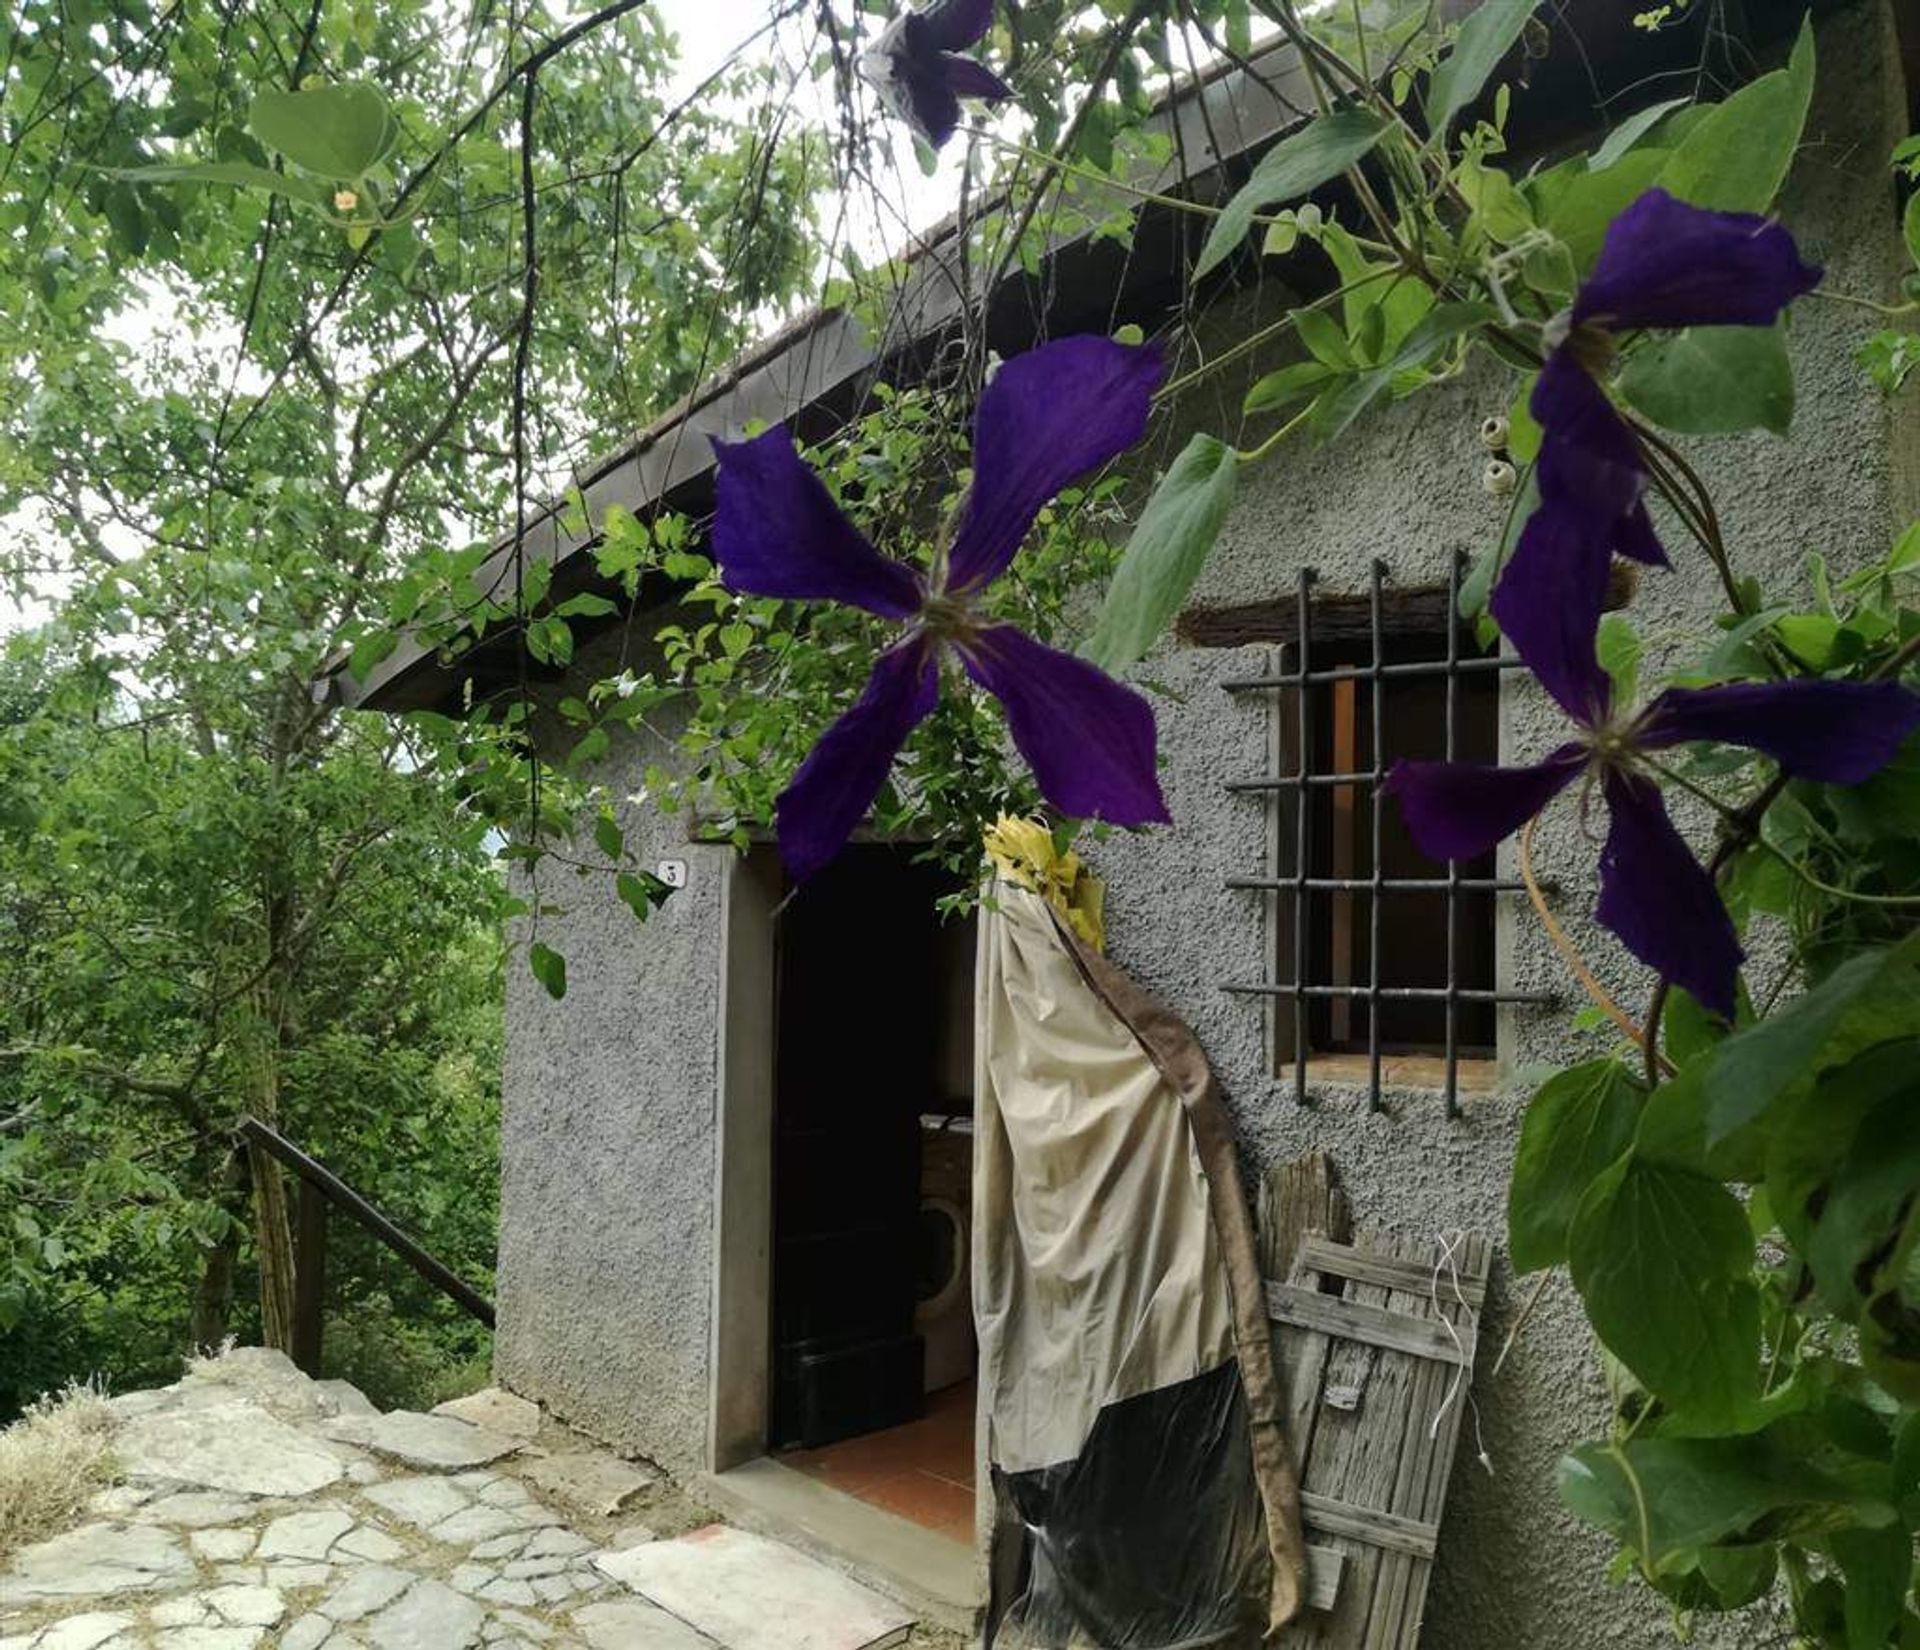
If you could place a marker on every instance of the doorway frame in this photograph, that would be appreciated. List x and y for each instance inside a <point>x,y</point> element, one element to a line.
<point>938,1577</point>
<point>740,1342</point>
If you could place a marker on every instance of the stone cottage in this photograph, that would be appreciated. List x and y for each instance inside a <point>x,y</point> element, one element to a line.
<point>731,1243</point>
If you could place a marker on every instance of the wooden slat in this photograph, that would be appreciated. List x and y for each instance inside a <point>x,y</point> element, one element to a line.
<point>1322,1254</point>
<point>1300,1204</point>
<point>1355,1452</point>
<point>1419,1489</point>
<point>1299,1200</point>
<point>1398,1331</point>
<point>1386,1530</point>
<point>1324,1567</point>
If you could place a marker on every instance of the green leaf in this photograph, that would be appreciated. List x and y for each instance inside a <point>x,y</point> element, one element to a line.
<point>1166,552</point>
<point>1870,998</point>
<point>1630,131</point>
<point>1297,381</point>
<point>1738,1575</point>
<point>643,894</point>
<point>1673,1133</point>
<point>1713,380</point>
<point>1618,646</point>
<point>1341,407</point>
<point>340,131</point>
<point>1689,1030</point>
<point>1738,154</point>
<point>1485,38</point>
<point>1662,1260</point>
<point>1864,1207</point>
<point>1576,1127</point>
<point>586,605</point>
<point>262,178</point>
<point>549,968</point>
<point>1697,1491</point>
<point>1878,1565</point>
<point>1300,162</point>
<point>1580,213</point>
<point>608,837</point>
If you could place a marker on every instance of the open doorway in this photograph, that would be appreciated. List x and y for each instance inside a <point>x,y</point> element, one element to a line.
<point>872,1347</point>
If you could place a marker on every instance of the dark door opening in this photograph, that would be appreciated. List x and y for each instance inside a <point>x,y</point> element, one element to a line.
<point>873,1352</point>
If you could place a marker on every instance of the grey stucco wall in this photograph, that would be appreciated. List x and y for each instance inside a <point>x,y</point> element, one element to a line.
<point>605,1273</point>
<point>607,1239</point>
<point>1514,1571</point>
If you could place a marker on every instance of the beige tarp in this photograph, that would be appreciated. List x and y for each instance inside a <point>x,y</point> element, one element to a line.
<point>1100,1278</point>
<point>1126,1364</point>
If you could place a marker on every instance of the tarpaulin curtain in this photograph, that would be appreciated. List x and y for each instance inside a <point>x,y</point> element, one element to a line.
<point>1145,1497</point>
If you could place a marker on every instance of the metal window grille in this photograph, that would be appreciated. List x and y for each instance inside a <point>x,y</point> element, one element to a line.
<point>1292,885</point>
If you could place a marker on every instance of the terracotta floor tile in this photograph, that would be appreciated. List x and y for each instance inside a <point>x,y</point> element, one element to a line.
<point>921,1471</point>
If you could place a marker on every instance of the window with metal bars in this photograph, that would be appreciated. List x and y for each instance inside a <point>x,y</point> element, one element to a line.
<point>1378,953</point>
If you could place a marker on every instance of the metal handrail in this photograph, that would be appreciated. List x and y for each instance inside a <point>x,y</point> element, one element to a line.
<point>320,1186</point>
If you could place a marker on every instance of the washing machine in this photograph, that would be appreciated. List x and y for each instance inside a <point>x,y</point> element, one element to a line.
<point>943,1314</point>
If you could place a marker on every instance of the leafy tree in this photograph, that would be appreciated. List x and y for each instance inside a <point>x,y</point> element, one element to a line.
<point>305,303</point>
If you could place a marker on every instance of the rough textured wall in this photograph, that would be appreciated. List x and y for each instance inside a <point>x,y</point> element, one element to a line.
<point>1514,1572</point>
<point>607,1207</point>
<point>607,1151</point>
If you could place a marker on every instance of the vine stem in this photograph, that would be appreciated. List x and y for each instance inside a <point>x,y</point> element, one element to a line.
<point>1570,954</point>
<point>1743,827</point>
<point>1265,335</point>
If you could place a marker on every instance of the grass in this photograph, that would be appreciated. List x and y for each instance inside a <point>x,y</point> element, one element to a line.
<point>51,1461</point>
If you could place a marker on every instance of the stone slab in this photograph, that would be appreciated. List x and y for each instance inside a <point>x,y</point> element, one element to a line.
<point>429,1616</point>
<point>95,1561</point>
<point>751,1593</point>
<point>436,1442</point>
<point>422,1502</point>
<point>304,1534</point>
<point>591,1480</point>
<point>634,1624</point>
<point>494,1409</point>
<point>234,1446</point>
<point>345,1398</point>
<point>92,1631</point>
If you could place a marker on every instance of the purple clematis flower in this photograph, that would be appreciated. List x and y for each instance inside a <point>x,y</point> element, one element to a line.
<point>917,69</point>
<point>1046,418</point>
<point>1664,264</point>
<point>1653,893</point>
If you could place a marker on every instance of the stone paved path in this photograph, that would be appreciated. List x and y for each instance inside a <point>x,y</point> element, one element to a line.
<point>257,1508</point>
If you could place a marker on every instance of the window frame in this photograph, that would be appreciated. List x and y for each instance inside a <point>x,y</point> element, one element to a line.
<point>1289,884</point>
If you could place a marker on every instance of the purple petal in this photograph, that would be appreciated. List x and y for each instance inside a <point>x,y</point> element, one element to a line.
<point>834,787</point>
<point>926,102</point>
<point>915,69</point>
<point>1455,810</point>
<point>777,532</point>
<point>1088,739</point>
<point>1668,264</point>
<point>1047,417</point>
<point>966,78</point>
<point>1588,457</point>
<point>1548,604</point>
<point>953,25</point>
<point>1837,732</point>
<point>1659,899</point>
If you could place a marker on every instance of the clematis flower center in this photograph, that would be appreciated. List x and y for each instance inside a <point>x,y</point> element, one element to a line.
<point>1611,744</point>
<point>948,618</point>
<point>1593,347</point>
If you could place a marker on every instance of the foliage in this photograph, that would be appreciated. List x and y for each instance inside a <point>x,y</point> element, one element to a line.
<point>291,325</point>
<point>740,687</point>
<point>356,202</point>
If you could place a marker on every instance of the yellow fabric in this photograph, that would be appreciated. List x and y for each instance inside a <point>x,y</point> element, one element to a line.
<point>1023,851</point>
<point>1097,1273</point>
